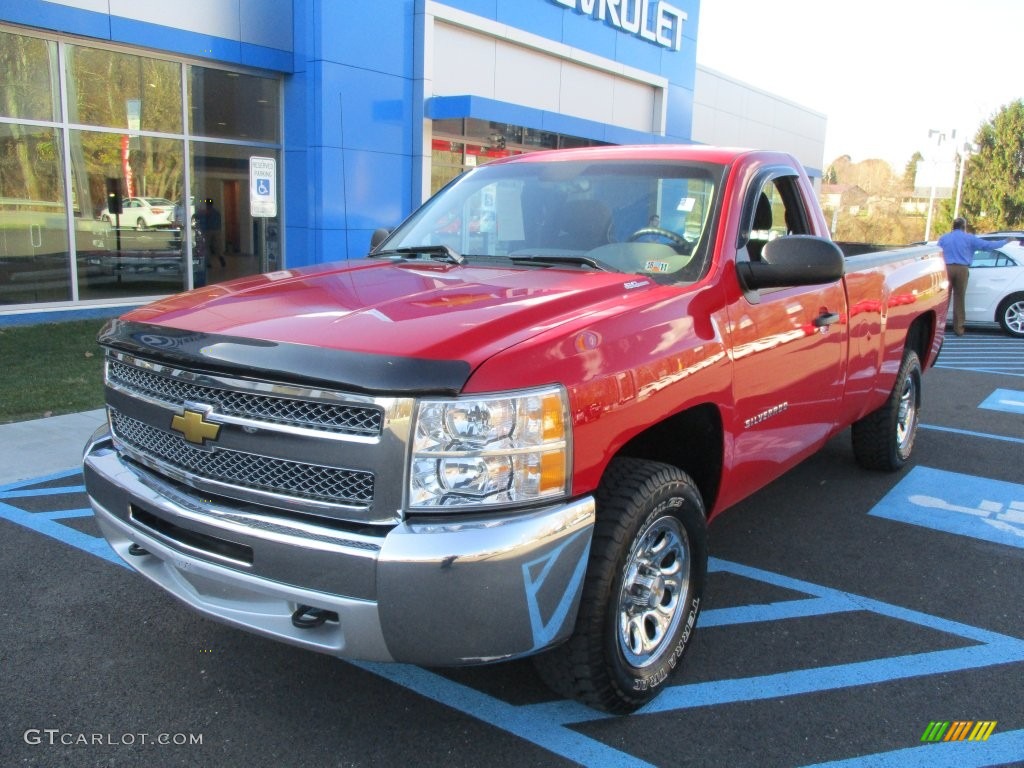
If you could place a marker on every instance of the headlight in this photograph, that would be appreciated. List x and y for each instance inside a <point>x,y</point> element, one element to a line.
<point>490,450</point>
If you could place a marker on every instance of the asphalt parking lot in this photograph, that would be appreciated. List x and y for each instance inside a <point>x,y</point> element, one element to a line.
<point>848,615</point>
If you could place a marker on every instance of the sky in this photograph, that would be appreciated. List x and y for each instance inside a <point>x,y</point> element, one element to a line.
<point>884,72</point>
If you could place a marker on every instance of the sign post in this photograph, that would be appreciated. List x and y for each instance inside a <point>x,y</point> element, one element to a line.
<point>263,199</point>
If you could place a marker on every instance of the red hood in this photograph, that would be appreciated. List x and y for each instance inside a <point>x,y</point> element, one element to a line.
<point>422,310</point>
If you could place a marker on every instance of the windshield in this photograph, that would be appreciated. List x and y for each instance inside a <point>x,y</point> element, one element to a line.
<point>642,217</point>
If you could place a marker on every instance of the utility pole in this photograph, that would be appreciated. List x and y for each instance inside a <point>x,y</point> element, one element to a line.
<point>964,152</point>
<point>935,172</point>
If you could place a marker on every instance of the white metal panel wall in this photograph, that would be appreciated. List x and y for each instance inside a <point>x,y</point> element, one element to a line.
<point>259,22</point>
<point>504,71</point>
<point>727,112</point>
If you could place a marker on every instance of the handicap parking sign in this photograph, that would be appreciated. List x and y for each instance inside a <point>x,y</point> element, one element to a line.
<point>263,186</point>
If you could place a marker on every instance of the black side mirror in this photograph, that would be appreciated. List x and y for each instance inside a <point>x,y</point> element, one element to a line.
<point>378,237</point>
<point>793,260</point>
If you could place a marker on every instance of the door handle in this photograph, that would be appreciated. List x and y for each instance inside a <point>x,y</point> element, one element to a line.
<point>826,318</point>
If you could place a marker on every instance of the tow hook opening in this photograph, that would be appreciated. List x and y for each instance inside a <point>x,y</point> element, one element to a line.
<point>136,551</point>
<point>308,617</point>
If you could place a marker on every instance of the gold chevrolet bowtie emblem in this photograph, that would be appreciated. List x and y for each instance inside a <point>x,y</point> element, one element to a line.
<point>194,426</point>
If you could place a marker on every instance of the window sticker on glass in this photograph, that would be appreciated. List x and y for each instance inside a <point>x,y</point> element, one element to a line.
<point>656,267</point>
<point>686,204</point>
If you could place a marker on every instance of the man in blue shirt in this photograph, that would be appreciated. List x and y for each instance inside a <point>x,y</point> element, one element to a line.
<point>958,249</point>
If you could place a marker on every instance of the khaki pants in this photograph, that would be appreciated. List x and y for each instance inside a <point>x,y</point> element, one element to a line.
<point>958,275</point>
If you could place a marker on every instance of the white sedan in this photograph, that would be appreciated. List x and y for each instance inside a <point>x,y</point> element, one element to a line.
<point>143,212</point>
<point>995,291</point>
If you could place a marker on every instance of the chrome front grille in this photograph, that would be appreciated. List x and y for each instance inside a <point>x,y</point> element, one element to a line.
<point>297,449</point>
<point>344,419</point>
<point>245,470</point>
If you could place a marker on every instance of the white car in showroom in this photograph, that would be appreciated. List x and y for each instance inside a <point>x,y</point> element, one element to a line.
<point>995,291</point>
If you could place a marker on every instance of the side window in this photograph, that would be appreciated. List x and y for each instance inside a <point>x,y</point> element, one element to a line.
<point>986,259</point>
<point>777,210</point>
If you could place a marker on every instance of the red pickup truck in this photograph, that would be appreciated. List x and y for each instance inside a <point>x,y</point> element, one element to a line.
<point>504,432</point>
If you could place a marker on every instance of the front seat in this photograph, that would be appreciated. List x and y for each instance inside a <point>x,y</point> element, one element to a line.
<point>586,224</point>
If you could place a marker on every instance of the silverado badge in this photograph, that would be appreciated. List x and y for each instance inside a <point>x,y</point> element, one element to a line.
<point>195,428</point>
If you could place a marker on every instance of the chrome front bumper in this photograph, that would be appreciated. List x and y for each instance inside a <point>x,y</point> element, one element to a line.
<point>451,591</point>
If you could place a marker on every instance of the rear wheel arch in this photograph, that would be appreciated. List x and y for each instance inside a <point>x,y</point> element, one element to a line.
<point>920,335</point>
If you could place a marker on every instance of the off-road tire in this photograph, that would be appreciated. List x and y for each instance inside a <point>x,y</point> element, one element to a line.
<point>884,439</point>
<point>640,601</point>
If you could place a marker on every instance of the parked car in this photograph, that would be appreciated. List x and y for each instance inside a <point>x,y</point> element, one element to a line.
<point>142,212</point>
<point>995,291</point>
<point>1015,235</point>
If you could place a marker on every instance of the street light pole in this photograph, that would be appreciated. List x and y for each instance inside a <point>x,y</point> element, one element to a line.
<point>964,152</point>
<point>935,172</point>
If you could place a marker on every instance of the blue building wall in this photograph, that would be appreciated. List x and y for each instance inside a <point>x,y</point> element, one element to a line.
<point>354,108</point>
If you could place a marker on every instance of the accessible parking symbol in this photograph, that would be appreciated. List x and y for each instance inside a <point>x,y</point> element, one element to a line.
<point>965,505</point>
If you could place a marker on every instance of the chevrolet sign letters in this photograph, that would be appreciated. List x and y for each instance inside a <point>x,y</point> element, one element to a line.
<point>654,20</point>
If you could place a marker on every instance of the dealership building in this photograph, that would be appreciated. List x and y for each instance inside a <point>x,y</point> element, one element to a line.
<point>147,148</point>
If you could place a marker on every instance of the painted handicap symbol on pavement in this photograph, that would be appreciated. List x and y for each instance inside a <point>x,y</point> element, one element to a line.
<point>1004,400</point>
<point>978,507</point>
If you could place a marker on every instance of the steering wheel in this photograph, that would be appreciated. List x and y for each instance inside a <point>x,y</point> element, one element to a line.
<point>672,237</point>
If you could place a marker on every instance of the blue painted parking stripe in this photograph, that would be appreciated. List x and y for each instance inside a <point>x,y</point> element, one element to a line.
<point>971,433</point>
<point>520,721</point>
<point>866,603</point>
<point>48,525</point>
<point>549,725</point>
<point>64,514</point>
<point>1009,400</point>
<point>34,492</point>
<point>998,749</point>
<point>991,510</point>
<point>830,678</point>
<point>787,609</point>
<point>38,480</point>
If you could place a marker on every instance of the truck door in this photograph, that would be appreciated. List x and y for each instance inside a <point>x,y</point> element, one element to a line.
<point>787,345</point>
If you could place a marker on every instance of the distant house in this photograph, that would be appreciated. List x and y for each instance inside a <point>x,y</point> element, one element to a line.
<point>846,197</point>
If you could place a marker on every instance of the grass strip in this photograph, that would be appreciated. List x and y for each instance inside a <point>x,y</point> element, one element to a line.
<point>49,369</point>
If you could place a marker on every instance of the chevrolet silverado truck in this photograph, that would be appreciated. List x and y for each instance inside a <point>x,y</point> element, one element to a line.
<point>503,433</point>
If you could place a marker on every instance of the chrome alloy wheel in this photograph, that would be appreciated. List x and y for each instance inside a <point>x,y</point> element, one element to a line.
<point>1013,317</point>
<point>906,416</point>
<point>657,575</point>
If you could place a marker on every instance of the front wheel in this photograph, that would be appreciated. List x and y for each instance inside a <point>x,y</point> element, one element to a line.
<point>1011,315</point>
<point>645,581</point>
<point>884,439</point>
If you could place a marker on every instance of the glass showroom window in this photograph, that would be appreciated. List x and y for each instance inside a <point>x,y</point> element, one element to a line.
<point>34,264</point>
<point>29,70</point>
<point>229,240</point>
<point>113,162</point>
<point>136,248</point>
<point>122,90</point>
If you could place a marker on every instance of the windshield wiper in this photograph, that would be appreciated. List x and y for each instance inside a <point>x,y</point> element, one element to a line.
<point>424,250</point>
<point>563,258</point>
